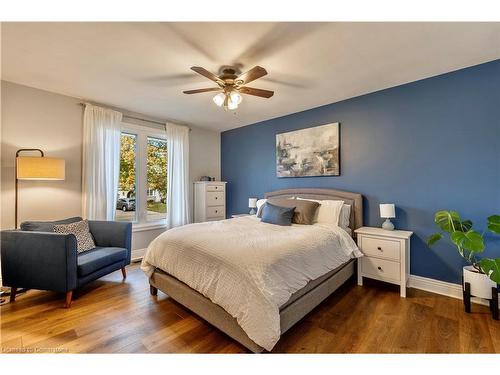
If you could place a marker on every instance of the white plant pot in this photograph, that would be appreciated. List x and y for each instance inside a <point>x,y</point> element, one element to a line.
<point>480,284</point>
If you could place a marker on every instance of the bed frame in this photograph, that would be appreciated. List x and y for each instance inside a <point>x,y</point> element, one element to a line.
<point>301,302</point>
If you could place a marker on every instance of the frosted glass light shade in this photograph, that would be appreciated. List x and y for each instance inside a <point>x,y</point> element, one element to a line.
<point>219,99</point>
<point>40,168</point>
<point>252,202</point>
<point>387,210</point>
<point>231,105</point>
<point>235,97</point>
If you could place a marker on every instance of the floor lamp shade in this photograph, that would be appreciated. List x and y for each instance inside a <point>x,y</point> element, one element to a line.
<point>40,168</point>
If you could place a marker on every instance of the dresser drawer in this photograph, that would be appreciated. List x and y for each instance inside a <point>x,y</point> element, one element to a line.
<point>216,212</point>
<point>380,247</point>
<point>380,268</point>
<point>215,198</point>
<point>215,187</point>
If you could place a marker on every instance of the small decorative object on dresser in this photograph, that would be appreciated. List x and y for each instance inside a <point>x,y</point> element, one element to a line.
<point>252,203</point>
<point>209,201</point>
<point>386,256</point>
<point>387,211</point>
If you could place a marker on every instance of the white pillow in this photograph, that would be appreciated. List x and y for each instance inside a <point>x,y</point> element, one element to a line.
<point>328,211</point>
<point>260,204</point>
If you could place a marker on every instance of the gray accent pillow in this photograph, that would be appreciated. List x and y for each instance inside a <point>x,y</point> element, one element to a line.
<point>273,214</point>
<point>46,226</point>
<point>305,211</point>
<point>82,233</point>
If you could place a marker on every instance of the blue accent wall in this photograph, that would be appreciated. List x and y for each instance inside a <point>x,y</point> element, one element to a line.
<point>427,145</point>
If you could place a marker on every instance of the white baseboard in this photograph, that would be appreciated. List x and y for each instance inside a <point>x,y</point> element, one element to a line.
<point>417,282</point>
<point>137,254</point>
<point>440,287</point>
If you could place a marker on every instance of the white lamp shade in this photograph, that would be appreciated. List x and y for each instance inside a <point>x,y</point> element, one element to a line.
<point>252,202</point>
<point>40,168</point>
<point>387,210</point>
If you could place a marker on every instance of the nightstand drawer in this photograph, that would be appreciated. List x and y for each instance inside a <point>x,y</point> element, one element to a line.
<point>380,268</point>
<point>382,248</point>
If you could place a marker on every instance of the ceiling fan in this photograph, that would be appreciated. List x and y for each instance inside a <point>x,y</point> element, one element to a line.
<point>232,84</point>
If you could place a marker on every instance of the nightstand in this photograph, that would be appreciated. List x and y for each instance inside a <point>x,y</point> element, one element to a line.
<point>239,215</point>
<point>386,255</point>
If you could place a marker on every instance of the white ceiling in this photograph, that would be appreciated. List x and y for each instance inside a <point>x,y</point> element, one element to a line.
<point>144,67</point>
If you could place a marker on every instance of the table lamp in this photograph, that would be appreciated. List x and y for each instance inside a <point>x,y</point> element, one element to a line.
<point>38,168</point>
<point>387,211</point>
<point>252,203</point>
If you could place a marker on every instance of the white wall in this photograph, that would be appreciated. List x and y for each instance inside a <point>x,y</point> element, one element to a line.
<point>33,118</point>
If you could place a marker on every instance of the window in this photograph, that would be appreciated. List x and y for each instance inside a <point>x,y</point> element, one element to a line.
<point>125,202</point>
<point>142,186</point>
<point>157,179</point>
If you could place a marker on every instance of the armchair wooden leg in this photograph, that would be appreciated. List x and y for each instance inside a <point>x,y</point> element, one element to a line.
<point>124,272</point>
<point>69,296</point>
<point>13,292</point>
<point>153,290</point>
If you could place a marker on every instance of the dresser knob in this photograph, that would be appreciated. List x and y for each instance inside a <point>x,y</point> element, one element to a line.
<point>379,268</point>
<point>379,248</point>
<point>216,211</point>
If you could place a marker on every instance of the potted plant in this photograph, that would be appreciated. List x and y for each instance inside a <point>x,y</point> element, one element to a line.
<point>483,274</point>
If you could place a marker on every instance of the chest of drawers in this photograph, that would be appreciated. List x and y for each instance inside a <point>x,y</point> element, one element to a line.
<point>209,201</point>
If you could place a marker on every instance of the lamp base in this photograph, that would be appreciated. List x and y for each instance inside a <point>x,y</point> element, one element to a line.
<point>252,211</point>
<point>387,225</point>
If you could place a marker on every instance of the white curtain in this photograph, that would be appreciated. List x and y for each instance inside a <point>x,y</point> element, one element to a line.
<point>178,175</point>
<point>101,162</point>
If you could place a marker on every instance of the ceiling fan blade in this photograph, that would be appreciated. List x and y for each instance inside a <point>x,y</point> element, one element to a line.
<point>206,73</point>
<point>202,90</point>
<point>251,75</point>
<point>256,92</point>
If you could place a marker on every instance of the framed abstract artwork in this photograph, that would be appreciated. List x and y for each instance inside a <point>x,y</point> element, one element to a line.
<point>309,152</point>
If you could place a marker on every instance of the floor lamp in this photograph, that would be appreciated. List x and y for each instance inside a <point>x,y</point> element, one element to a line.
<point>38,168</point>
<point>34,168</point>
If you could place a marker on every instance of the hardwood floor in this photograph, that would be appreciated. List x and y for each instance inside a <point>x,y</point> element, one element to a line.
<point>111,315</point>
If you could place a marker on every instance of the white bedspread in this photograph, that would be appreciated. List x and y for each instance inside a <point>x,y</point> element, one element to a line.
<point>250,268</point>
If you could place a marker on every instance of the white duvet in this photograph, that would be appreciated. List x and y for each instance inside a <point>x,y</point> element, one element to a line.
<point>250,268</point>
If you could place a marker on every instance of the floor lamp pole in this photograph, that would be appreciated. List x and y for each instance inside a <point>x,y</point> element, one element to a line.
<point>17,181</point>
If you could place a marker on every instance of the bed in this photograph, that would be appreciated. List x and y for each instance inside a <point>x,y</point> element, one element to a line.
<point>256,301</point>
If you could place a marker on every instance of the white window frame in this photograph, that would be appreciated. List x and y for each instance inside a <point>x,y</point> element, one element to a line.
<point>141,175</point>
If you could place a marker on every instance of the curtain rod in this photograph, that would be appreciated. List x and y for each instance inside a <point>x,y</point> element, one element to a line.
<point>135,118</point>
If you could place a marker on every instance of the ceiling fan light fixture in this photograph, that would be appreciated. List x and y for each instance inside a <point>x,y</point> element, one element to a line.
<point>219,99</point>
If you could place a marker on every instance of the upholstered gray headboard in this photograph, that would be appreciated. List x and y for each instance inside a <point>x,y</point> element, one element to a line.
<point>353,199</point>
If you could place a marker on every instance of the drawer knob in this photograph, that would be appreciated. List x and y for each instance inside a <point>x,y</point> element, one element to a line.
<point>216,198</point>
<point>216,211</point>
<point>379,268</point>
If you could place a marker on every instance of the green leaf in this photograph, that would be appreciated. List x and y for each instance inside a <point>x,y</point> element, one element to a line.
<point>470,240</point>
<point>449,221</point>
<point>434,238</point>
<point>494,223</point>
<point>491,267</point>
<point>466,225</point>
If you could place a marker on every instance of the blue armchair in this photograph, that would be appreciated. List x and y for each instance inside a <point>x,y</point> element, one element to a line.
<point>37,258</point>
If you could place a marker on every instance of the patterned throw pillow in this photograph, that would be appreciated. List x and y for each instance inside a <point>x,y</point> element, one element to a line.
<point>82,233</point>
